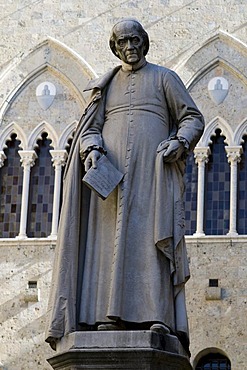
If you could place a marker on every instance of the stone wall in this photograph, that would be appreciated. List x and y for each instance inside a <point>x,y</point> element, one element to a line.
<point>23,308</point>
<point>217,317</point>
<point>216,320</point>
<point>174,26</point>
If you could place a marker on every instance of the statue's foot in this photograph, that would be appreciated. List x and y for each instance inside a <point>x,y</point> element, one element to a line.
<point>111,326</point>
<point>53,342</point>
<point>160,329</point>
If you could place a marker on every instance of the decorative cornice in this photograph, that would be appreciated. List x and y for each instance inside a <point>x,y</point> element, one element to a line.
<point>233,153</point>
<point>201,154</point>
<point>27,157</point>
<point>59,157</point>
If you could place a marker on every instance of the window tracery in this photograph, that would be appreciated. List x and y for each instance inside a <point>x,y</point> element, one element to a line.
<point>41,191</point>
<point>217,190</point>
<point>11,189</point>
<point>242,191</point>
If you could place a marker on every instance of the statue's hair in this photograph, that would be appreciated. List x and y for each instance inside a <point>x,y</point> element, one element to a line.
<point>138,27</point>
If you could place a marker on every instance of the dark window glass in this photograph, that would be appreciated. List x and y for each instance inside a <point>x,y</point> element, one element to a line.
<point>190,198</point>
<point>242,191</point>
<point>217,189</point>
<point>11,175</point>
<point>41,192</point>
<point>214,361</point>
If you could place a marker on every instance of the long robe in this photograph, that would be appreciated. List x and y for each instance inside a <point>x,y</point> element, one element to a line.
<point>128,253</point>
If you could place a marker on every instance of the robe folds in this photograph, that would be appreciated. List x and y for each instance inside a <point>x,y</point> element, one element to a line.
<point>125,257</point>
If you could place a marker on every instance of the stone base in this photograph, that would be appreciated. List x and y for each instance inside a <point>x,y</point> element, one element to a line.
<point>139,350</point>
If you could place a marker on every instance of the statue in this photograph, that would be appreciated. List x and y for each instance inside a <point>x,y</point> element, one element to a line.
<point>121,263</point>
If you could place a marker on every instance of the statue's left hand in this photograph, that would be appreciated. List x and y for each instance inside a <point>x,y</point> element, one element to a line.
<point>91,160</point>
<point>173,150</point>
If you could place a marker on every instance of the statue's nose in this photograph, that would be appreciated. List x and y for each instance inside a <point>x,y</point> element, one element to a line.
<point>129,44</point>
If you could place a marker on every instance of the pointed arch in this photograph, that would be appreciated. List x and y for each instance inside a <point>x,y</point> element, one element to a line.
<point>240,131</point>
<point>50,55</point>
<point>67,134</point>
<point>38,131</point>
<point>13,128</point>
<point>216,123</point>
<point>220,49</point>
<point>212,64</point>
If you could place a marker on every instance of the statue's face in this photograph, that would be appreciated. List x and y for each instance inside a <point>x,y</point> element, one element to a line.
<point>129,42</point>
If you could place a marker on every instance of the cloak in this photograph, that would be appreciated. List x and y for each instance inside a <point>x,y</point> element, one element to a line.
<point>63,309</point>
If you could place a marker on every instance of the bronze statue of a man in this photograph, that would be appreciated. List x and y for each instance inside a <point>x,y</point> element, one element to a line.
<point>121,263</point>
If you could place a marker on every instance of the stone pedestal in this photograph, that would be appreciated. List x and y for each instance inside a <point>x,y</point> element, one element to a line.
<point>139,350</point>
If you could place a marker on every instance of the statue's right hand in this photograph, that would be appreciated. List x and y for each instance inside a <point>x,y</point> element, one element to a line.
<point>91,160</point>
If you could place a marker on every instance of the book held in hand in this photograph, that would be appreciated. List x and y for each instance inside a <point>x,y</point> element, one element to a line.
<point>103,179</point>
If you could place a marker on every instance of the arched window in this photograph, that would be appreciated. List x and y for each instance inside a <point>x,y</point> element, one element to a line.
<point>242,191</point>
<point>214,361</point>
<point>11,190</point>
<point>217,190</point>
<point>41,191</point>
<point>190,199</point>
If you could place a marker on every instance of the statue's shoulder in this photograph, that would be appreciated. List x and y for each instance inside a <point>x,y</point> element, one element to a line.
<point>101,82</point>
<point>164,71</point>
<point>157,68</point>
<point>169,76</point>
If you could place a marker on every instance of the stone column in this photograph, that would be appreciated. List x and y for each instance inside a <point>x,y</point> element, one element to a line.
<point>27,159</point>
<point>234,157</point>
<point>201,158</point>
<point>58,158</point>
<point>2,158</point>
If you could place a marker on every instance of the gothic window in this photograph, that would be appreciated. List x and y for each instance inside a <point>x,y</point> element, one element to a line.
<point>11,190</point>
<point>242,191</point>
<point>217,190</point>
<point>41,191</point>
<point>190,198</point>
<point>214,361</point>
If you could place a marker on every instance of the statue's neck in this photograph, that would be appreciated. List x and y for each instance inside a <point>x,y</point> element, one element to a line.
<point>134,67</point>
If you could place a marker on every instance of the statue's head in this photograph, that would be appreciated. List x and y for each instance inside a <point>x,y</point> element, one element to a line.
<point>129,41</point>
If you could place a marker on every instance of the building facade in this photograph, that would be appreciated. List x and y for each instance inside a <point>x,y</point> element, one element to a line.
<point>50,50</point>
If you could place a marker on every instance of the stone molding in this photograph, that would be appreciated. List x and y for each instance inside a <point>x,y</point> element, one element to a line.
<point>37,135</point>
<point>13,128</point>
<point>233,154</point>
<point>201,158</point>
<point>59,159</point>
<point>140,350</point>
<point>216,123</point>
<point>28,158</point>
<point>46,55</point>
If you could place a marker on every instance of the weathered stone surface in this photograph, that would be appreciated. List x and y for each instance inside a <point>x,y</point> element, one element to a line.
<point>142,350</point>
<point>218,323</point>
